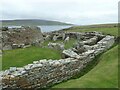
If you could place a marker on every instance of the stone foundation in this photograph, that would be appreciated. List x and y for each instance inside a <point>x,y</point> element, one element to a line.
<point>44,73</point>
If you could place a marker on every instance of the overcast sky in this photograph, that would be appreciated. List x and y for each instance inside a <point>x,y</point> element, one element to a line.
<point>72,11</point>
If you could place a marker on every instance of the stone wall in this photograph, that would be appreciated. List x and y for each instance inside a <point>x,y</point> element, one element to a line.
<point>44,73</point>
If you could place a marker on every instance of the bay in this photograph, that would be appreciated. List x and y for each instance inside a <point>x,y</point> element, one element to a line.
<point>48,28</point>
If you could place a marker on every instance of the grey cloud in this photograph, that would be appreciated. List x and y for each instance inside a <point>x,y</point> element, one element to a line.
<point>74,11</point>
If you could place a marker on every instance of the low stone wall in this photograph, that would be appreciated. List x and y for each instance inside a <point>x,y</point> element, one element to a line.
<point>44,73</point>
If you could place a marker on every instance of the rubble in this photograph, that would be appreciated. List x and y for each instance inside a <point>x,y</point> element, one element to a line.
<point>13,38</point>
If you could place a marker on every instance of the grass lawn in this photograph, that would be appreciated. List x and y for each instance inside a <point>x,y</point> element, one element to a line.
<point>112,30</point>
<point>104,75</point>
<point>21,57</point>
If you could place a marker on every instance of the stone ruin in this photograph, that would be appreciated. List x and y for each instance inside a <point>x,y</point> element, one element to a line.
<point>44,73</point>
<point>21,37</point>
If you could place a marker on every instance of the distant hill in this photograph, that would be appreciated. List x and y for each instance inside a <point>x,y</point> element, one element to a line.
<point>30,22</point>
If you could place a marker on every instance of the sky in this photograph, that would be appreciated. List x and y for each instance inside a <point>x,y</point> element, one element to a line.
<point>81,12</point>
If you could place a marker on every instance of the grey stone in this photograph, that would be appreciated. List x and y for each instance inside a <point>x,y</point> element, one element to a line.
<point>54,38</point>
<point>28,67</point>
<point>57,46</point>
<point>23,72</point>
<point>13,69</point>
<point>67,39</point>
<point>63,36</point>
<point>69,53</point>
<point>35,62</point>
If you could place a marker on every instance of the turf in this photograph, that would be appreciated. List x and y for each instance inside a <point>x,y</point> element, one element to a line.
<point>105,30</point>
<point>104,75</point>
<point>21,57</point>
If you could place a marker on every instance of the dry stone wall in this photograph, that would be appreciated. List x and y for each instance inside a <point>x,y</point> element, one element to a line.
<point>44,73</point>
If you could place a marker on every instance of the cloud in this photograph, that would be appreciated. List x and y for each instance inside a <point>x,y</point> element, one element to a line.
<point>73,11</point>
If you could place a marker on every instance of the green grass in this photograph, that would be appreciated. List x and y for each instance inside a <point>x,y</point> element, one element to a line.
<point>0,63</point>
<point>104,75</point>
<point>112,30</point>
<point>70,43</point>
<point>21,57</point>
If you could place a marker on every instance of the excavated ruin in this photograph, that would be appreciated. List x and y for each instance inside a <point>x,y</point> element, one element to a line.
<point>44,73</point>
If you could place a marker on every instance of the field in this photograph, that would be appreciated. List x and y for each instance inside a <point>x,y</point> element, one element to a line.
<point>111,30</point>
<point>21,57</point>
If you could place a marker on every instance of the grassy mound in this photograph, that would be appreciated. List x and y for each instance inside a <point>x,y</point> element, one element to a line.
<point>104,75</point>
<point>21,57</point>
